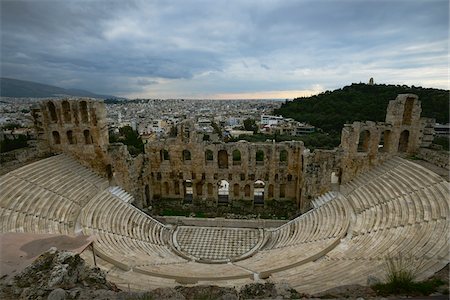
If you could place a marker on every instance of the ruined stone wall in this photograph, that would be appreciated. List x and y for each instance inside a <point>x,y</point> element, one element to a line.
<point>187,169</point>
<point>317,174</point>
<point>126,171</point>
<point>180,165</point>
<point>76,127</point>
<point>367,144</point>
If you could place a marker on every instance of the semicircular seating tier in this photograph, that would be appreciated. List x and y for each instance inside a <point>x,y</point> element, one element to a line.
<point>397,208</point>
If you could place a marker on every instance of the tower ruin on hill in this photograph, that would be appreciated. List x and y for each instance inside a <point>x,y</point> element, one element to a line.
<point>189,170</point>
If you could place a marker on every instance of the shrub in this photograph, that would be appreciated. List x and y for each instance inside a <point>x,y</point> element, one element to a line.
<point>401,273</point>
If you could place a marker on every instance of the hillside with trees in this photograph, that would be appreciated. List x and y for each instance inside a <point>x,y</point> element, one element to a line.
<point>360,102</point>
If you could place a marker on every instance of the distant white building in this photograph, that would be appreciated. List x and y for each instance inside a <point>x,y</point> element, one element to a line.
<point>270,120</point>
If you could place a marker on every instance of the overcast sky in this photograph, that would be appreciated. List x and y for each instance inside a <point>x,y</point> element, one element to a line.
<point>224,49</point>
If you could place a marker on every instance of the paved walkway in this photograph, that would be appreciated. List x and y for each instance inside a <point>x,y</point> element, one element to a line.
<point>215,243</point>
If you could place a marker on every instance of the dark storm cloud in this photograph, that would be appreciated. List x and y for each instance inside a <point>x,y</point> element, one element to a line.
<point>221,46</point>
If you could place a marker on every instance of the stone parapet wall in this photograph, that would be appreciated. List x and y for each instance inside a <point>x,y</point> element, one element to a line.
<point>439,158</point>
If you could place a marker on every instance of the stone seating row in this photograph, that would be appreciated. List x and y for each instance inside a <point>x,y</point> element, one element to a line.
<point>389,185</point>
<point>110,214</point>
<point>353,261</point>
<point>329,220</point>
<point>21,196</point>
<point>422,205</point>
<point>12,221</point>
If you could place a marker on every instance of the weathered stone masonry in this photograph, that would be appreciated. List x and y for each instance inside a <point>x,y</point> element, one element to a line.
<point>191,170</point>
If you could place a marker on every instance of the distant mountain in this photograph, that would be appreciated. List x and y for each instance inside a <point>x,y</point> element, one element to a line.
<point>359,102</point>
<point>20,88</point>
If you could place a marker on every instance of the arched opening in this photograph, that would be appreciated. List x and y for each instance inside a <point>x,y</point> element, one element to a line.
<point>188,191</point>
<point>176,187</point>
<point>236,157</point>
<point>407,112</point>
<point>199,188</point>
<point>209,156</point>
<point>166,189</point>
<point>66,111</point>
<point>282,190</point>
<point>385,140</point>
<point>247,191</point>
<point>84,112</point>
<point>364,141</point>
<point>270,191</point>
<point>236,191</point>
<point>223,191</point>
<point>164,155</point>
<point>334,178</point>
<point>109,172</point>
<point>52,111</point>
<point>258,192</point>
<point>87,137</point>
<point>186,155</point>
<point>222,159</point>
<point>259,157</point>
<point>157,191</point>
<point>210,189</point>
<point>403,141</point>
<point>56,138</point>
<point>283,157</point>
<point>70,137</point>
<point>147,195</point>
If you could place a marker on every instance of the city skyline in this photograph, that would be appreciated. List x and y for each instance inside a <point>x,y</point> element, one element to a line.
<point>224,51</point>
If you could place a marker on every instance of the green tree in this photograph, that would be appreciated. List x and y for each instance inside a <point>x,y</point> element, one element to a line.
<point>250,125</point>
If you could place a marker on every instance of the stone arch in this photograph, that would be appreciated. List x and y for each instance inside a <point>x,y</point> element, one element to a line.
<point>188,191</point>
<point>334,178</point>
<point>364,141</point>
<point>164,155</point>
<point>236,157</point>
<point>282,190</point>
<point>259,157</point>
<point>84,112</point>
<point>52,110</point>
<point>210,189</point>
<point>385,140</point>
<point>199,188</point>
<point>147,195</point>
<point>186,155</point>
<point>403,141</point>
<point>209,155</point>
<point>109,172</point>
<point>283,157</point>
<point>66,111</point>
<point>87,137</point>
<point>236,190</point>
<point>70,137</point>
<point>407,111</point>
<point>166,188</point>
<point>223,192</point>
<point>157,191</point>
<point>56,138</point>
<point>258,192</point>
<point>176,187</point>
<point>270,191</point>
<point>222,159</point>
<point>247,190</point>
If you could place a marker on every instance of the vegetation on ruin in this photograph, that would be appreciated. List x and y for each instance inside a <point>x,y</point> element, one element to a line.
<point>316,140</point>
<point>330,110</point>
<point>130,138</point>
<point>401,274</point>
<point>9,144</point>
<point>442,141</point>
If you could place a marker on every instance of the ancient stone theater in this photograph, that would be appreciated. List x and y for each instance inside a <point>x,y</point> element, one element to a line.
<point>357,204</point>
